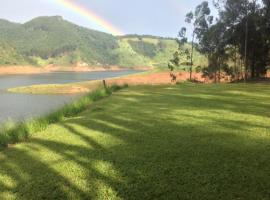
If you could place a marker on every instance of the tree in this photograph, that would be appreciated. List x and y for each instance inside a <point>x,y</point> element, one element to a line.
<point>266,14</point>
<point>199,20</point>
<point>179,54</point>
<point>246,30</point>
<point>242,27</point>
<point>213,44</point>
<point>241,33</point>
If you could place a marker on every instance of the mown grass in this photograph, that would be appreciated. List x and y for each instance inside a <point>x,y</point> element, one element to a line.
<point>12,133</point>
<point>188,141</point>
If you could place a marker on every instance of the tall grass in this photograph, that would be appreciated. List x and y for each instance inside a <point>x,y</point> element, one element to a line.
<point>12,133</point>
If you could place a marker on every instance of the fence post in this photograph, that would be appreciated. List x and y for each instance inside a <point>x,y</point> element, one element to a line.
<point>104,84</point>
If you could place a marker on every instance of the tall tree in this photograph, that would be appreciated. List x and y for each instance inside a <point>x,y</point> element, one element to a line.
<point>241,31</point>
<point>244,19</point>
<point>199,20</point>
<point>266,13</point>
<point>213,44</point>
<point>181,53</point>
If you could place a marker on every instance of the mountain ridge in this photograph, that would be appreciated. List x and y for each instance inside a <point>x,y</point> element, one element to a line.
<point>52,40</point>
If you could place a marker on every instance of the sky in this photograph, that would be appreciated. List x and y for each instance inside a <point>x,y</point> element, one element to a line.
<point>154,17</point>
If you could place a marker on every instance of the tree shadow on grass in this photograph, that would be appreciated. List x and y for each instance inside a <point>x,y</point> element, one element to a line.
<point>231,98</point>
<point>33,179</point>
<point>136,148</point>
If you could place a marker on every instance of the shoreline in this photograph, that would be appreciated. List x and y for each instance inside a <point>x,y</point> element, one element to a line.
<point>28,70</point>
<point>20,131</point>
<point>150,78</point>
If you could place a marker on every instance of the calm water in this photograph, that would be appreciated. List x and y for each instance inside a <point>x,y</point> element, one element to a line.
<point>24,106</point>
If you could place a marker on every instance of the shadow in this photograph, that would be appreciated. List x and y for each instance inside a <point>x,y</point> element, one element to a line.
<point>170,143</point>
<point>254,80</point>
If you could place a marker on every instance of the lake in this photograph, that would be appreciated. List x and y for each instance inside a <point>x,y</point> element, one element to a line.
<point>24,106</point>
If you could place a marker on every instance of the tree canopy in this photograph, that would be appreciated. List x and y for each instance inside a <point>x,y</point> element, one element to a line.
<point>237,42</point>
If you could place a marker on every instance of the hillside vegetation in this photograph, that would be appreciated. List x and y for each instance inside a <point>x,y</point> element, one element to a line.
<point>53,40</point>
<point>9,55</point>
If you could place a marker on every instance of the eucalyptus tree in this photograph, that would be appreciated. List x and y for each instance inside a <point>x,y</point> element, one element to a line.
<point>213,44</point>
<point>199,19</point>
<point>180,53</point>
<point>266,13</point>
<point>246,30</point>
<point>241,31</point>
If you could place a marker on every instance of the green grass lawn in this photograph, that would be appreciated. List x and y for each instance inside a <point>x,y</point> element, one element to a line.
<point>151,142</point>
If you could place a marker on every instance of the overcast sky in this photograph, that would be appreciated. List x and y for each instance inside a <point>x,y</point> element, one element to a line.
<point>155,17</point>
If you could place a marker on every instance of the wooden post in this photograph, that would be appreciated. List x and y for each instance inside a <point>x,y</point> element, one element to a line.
<point>104,84</point>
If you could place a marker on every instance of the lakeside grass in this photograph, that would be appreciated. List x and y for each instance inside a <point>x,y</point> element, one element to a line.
<point>12,133</point>
<point>188,141</point>
<point>69,88</point>
<point>82,87</point>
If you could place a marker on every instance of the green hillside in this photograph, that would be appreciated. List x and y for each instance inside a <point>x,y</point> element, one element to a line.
<point>48,40</point>
<point>151,51</point>
<point>9,56</point>
<point>53,40</point>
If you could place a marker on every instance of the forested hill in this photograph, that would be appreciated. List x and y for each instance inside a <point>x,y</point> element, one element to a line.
<point>53,40</point>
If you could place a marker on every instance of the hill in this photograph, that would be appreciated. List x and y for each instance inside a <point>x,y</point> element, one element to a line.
<point>53,40</point>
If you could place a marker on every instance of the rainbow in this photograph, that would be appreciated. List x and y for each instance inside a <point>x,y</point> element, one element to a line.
<point>89,15</point>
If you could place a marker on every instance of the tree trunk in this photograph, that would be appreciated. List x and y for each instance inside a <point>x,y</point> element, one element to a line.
<point>219,71</point>
<point>191,56</point>
<point>239,68</point>
<point>253,69</point>
<point>216,68</point>
<point>235,63</point>
<point>242,70</point>
<point>246,48</point>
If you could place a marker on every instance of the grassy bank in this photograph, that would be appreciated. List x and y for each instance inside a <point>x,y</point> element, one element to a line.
<point>13,133</point>
<point>150,142</point>
<point>153,77</point>
<point>70,88</point>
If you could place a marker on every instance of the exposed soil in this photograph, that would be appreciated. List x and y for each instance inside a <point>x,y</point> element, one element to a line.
<point>84,87</point>
<point>21,70</point>
<point>155,78</point>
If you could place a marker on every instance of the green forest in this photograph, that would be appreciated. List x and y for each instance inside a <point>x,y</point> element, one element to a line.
<point>53,40</point>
